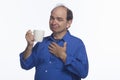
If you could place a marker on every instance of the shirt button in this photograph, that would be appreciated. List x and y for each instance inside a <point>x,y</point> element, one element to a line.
<point>46,71</point>
<point>50,62</point>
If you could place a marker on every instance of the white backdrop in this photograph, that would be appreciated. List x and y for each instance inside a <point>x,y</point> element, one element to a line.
<point>96,22</point>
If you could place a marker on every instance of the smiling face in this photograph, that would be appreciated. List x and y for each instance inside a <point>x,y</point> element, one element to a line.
<point>58,20</point>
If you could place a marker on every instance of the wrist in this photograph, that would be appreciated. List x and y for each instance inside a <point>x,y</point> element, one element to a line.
<point>63,57</point>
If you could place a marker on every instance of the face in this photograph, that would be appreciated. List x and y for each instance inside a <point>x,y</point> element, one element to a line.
<point>58,22</point>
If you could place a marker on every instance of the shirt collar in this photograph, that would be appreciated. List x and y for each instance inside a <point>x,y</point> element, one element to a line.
<point>65,37</point>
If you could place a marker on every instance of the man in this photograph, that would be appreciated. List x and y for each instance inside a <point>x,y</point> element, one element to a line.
<point>60,56</point>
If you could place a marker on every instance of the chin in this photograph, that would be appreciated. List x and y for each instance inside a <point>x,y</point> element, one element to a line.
<point>54,30</point>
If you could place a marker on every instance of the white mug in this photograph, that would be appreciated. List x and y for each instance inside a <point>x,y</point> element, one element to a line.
<point>38,35</point>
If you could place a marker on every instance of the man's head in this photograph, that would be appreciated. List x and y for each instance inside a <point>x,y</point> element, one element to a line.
<point>60,19</point>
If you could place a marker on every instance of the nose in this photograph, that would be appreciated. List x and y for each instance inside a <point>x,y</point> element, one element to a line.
<point>54,21</point>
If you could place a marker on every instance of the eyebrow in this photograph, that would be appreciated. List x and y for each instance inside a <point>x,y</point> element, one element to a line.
<point>60,18</point>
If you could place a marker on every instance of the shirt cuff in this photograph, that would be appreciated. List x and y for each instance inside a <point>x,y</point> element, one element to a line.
<point>69,59</point>
<point>24,61</point>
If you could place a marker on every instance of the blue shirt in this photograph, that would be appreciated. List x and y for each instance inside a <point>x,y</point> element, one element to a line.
<point>49,67</point>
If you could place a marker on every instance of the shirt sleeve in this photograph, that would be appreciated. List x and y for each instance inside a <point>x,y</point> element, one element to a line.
<point>26,64</point>
<point>78,64</point>
<point>30,61</point>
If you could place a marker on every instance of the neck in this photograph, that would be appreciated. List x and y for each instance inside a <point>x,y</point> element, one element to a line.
<point>59,35</point>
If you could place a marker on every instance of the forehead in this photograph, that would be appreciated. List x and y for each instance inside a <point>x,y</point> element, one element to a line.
<point>59,12</point>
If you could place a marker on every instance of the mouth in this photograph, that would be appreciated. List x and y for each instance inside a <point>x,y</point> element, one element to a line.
<point>53,26</point>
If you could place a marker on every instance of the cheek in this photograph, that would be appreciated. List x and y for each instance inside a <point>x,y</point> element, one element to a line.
<point>64,24</point>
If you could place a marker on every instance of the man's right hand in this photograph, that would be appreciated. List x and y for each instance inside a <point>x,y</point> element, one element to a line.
<point>30,41</point>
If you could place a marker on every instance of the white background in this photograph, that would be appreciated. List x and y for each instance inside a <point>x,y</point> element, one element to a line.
<point>96,22</point>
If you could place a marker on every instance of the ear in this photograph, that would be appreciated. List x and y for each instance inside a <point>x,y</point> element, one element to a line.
<point>69,23</point>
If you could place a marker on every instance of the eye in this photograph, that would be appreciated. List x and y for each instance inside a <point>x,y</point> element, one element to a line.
<point>51,18</point>
<point>60,19</point>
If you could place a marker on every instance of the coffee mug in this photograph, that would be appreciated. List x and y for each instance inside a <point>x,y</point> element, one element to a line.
<point>38,35</point>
